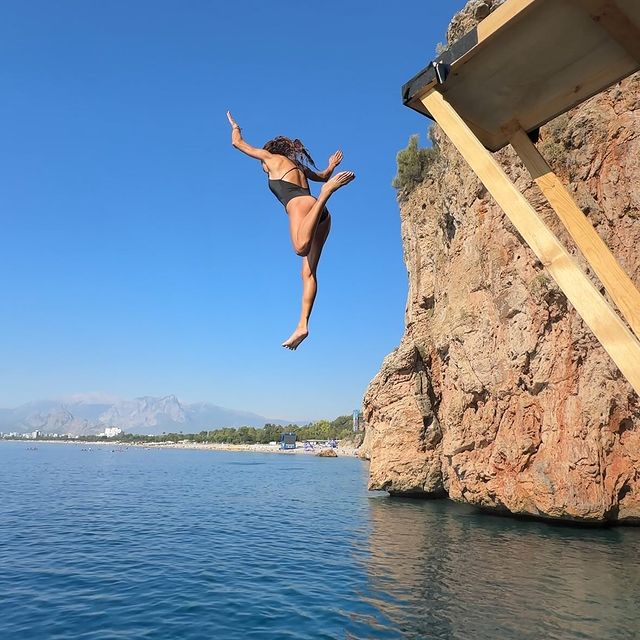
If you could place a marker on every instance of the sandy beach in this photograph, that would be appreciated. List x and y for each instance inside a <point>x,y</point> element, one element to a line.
<point>254,448</point>
<point>211,446</point>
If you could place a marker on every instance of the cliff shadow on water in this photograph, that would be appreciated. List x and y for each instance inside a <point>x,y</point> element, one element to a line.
<point>444,571</point>
<point>498,394</point>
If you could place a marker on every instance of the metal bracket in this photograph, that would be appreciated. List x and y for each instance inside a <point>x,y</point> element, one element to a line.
<point>442,71</point>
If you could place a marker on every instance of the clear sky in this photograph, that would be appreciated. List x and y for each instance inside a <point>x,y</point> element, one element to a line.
<point>142,254</point>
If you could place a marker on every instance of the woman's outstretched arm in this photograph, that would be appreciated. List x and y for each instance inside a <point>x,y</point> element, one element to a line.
<point>241,145</point>
<point>323,176</point>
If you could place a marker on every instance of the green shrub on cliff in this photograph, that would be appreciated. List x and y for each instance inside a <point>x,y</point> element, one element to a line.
<point>413,165</point>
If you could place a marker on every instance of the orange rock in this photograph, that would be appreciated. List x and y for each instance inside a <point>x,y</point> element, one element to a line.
<point>498,394</point>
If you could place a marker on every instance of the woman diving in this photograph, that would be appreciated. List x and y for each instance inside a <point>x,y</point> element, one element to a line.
<point>288,165</point>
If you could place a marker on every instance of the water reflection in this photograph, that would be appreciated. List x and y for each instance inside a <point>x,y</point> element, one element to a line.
<point>444,571</point>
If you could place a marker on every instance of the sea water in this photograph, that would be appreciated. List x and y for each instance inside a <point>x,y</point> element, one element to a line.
<point>101,542</point>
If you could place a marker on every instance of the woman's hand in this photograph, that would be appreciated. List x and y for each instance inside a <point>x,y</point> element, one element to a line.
<point>232,122</point>
<point>335,159</point>
<point>242,145</point>
<point>236,132</point>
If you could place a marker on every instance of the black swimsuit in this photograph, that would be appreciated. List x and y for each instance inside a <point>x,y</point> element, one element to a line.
<point>286,191</point>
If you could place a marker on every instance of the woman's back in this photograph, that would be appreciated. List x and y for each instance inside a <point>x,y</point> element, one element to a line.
<point>286,187</point>
<point>277,167</point>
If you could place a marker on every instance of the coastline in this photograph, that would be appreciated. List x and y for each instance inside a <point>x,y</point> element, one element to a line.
<point>341,451</point>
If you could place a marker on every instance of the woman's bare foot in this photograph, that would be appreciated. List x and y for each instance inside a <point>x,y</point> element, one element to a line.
<point>339,180</point>
<point>294,340</point>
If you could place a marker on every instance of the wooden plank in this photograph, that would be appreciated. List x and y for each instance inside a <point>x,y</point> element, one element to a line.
<point>612,18</point>
<point>612,333</point>
<point>533,70</point>
<point>617,283</point>
<point>505,13</point>
<point>532,60</point>
<point>504,16</point>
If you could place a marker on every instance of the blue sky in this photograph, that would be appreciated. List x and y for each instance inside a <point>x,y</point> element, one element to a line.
<point>142,254</point>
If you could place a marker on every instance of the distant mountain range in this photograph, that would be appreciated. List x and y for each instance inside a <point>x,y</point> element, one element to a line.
<point>146,415</point>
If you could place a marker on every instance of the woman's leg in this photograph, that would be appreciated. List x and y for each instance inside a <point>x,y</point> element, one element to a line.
<point>309,283</point>
<point>303,220</point>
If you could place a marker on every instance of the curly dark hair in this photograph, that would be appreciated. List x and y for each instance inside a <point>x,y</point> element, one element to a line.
<point>292,149</point>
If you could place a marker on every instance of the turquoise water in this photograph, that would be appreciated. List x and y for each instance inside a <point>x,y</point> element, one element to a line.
<point>183,544</point>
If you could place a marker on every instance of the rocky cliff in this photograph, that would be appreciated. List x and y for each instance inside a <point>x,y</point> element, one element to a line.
<point>498,394</point>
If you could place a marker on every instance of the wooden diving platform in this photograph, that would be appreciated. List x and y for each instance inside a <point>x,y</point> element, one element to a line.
<point>524,64</point>
<point>530,61</point>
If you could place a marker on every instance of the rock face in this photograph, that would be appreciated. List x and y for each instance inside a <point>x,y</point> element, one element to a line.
<point>498,394</point>
<point>327,453</point>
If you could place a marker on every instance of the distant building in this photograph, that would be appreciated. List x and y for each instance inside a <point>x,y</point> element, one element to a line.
<point>288,440</point>
<point>35,435</point>
<point>111,432</point>
<point>356,420</point>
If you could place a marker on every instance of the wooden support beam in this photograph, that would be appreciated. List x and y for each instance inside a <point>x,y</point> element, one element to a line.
<point>612,333</point>
<point>617,283</point>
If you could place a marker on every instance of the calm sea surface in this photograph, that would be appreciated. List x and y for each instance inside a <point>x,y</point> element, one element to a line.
<point>183,544</point>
